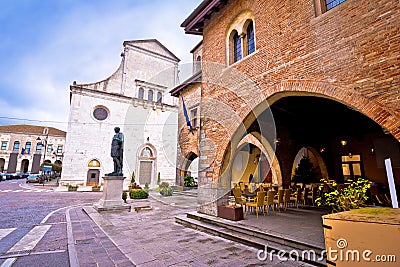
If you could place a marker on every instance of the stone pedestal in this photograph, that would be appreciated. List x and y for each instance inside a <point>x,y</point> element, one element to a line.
<point>112,195</point>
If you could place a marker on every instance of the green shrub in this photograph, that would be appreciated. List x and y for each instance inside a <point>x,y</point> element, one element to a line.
<point>166,191</point>
<point>138,194</point>
<point>124,196</point>
<point>146,186</point>
<point>164,184</point>
<point>353,196</point>
<point>72,187</point>
<point>188,181</point>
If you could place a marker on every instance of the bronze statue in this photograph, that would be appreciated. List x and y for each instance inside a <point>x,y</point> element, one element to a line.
<point>117,150</point>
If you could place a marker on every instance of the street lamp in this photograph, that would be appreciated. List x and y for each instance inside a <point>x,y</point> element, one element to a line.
<point>45,147</point>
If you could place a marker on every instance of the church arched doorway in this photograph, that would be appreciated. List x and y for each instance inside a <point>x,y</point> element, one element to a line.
<point>147,158</point>
<point>93,174</point>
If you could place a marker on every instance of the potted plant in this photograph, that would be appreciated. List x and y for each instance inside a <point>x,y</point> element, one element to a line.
<point>138,194</point>
<point>124,196</point>
<point>73,187</point>
<point>189,182</point>
<point>96,188</point>
<point>164,189</point>
<point>356,232</point>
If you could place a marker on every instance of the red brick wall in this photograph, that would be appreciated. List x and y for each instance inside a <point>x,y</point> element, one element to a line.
<point>187,142</point>
<point>350,54</point>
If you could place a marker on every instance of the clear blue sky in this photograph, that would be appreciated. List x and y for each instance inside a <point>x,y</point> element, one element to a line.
<point>47,44</point>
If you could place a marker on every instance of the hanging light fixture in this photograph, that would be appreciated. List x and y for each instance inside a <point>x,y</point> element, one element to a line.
<point>343,142</point>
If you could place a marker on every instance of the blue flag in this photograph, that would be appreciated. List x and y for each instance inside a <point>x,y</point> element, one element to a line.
<point>186,115</point>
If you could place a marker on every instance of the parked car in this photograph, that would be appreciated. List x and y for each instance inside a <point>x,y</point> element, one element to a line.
<point>34,178</point>
<point>23,175</point>
<point>16,175</point>
<point>9,176</point>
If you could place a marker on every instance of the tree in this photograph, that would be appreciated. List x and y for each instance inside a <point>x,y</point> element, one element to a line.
<point>304,172</point>
<point>133,177</point>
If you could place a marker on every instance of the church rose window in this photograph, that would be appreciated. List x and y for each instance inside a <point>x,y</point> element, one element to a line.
<point>100,113</point>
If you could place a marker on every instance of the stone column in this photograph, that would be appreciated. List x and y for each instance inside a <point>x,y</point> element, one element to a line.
<point>112,195</point>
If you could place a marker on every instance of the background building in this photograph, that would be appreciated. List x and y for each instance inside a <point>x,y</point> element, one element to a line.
<point>25,147</point>
<point>283,79</point>
<point>135,98</point>
<point>189,91</point>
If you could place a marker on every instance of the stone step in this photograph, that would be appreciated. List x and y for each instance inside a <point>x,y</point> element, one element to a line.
<point>185,193</point>
<point>251,237</point>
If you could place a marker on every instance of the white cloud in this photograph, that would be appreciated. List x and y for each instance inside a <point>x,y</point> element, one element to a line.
<point>85,45</point>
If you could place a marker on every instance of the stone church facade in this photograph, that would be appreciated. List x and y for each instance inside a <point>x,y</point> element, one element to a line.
<point>265,63</point>
<point>134,98</point>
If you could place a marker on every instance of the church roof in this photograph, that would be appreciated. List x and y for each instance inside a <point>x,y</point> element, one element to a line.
<point>31,129</point>
<point>152,45</point>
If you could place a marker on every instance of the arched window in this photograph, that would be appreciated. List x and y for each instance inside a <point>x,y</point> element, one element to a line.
<point>94,163</point>
<point>150,95</point>
<point>237,47</point>
<point>141,93</point>
<point>250,39</point>
<point>28,147</point>
<point>159,97</point>
<point>16,145</point>
<point>146,152</point>
<point>39,147</point>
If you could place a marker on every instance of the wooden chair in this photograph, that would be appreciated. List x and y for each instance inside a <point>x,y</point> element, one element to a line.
<point>237,193</point>
<point>279,200</point>
<point>313,196</point>
<point>259,203</point>
<point>269,200</point>
<point>304,197</point>
<point>286,197</point>
<point>296,198</point>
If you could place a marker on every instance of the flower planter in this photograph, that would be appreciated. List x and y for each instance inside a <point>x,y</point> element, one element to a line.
<point>233,213</point>
<point>95,189</point>
<point>363,237</point>
<point>72,188</point>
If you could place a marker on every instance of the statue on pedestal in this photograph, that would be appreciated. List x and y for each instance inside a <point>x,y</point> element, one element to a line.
<point>117,149</point>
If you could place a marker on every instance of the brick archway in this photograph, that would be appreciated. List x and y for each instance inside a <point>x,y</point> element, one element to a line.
<point>382,115</point>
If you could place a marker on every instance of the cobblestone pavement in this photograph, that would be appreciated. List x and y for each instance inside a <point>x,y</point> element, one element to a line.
<point>150,237</point>
<point>33,228</point>
<point>42,228</point>
<point>92,246</point>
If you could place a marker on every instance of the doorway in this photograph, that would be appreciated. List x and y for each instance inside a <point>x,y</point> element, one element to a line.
<point>24,165</point>
<point>2,163</point>
<point>93,177</point>
<point>145,172</point>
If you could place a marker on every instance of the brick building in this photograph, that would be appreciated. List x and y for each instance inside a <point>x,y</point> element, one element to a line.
<point>25,147</point>
<point>284,78</point>
<point>188,142</point>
